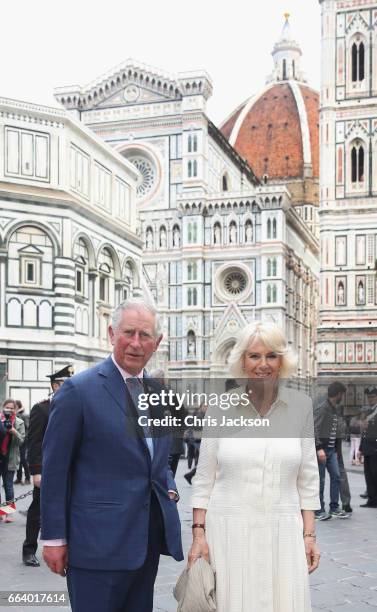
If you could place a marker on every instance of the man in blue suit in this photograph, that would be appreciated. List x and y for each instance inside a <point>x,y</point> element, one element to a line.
<point>108,496</point>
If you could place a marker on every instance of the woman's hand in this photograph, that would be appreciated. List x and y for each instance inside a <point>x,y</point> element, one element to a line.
<point>312,554</point>
<point>199,548</point>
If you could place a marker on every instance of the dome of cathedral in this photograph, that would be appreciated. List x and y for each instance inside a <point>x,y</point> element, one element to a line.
<point>277,130</point>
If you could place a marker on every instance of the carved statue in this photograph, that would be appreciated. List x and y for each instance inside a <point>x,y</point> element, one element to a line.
<point>249,232</point>
<point>360,293</point>
<point>163,238</point>
<point>232,234</point>
<point>217,234</point>
<point>149,239</point>
<point>340,294</point>
<point>176,237</point>
<point>191,345</point>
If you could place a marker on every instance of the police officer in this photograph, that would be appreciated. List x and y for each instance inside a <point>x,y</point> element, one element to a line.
<point>38,424</point>
<point>368,448</point>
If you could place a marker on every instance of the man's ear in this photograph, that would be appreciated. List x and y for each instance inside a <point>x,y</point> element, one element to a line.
<point>111,334</point>
<point>158,341</point>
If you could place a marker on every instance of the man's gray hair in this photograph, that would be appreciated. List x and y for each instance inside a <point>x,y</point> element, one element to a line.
<point>136,304</point>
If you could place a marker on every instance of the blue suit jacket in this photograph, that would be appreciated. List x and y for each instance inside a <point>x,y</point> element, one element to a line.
<point>98,475</point>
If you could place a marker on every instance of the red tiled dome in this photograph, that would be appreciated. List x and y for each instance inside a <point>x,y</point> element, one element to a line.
<point>277,131</point>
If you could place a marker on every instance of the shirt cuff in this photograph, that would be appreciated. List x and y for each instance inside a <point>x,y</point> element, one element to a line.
<point>177,497</point>
<point>60,542</point>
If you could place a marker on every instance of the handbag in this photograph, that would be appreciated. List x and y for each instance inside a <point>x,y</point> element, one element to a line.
<point>195,588</point>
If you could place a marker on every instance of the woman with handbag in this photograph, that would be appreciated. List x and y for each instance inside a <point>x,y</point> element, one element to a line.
<point>255,493</point>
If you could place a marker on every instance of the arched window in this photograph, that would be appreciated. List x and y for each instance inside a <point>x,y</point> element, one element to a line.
<point>81,257</point>
<point>293,69</point>
<point>357,163</point>
<point>274,267</point>
<point>268,228</point>
<point>269,294</point>
<point>274,228</point>
<point>274,294</point>
<point>225,182</point>
<point>194,270</point>
<point>194,232</point>
<point>361,62</point>
<point>106,277</point>
<point>194,297</point>
<point>189,271</point>
<point>30,259</point>
<point>354,62</point>
<point>189,297</point>
<point>358,61</point>
<point>189,233</point>
<point>195,143</point>
<point>194,168</point>
<point>284,69</point>
<point>189,169</point>
<point>189,144</point>
<point>268,267</point>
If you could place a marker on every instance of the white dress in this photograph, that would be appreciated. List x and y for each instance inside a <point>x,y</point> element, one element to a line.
<point>254,489</point>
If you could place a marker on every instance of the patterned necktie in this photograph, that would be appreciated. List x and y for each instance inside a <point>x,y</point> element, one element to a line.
<point>135,388</point>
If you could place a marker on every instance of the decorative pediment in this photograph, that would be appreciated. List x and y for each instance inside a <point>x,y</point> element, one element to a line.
<point>30,249</point>
<point>134,94</point>
<point>357,129</point>
<point>133,83</point>
<point>229,324</point>
<point>356,22</point>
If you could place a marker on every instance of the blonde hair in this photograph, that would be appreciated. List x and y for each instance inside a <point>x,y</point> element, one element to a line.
<point>272,337</point>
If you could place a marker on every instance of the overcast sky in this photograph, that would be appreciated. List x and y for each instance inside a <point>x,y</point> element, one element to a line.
<point>46,44</point>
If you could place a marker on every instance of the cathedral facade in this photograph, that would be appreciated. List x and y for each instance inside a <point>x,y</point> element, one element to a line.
<point>347,342</point>
<point>132,190</point>
<point>222,246</point>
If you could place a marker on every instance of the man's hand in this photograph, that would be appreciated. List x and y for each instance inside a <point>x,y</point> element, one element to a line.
<point>56,558</point>
<point>321,455</point>
<point>37,480</point>
<point>173,495</point>
<point>12,431</point>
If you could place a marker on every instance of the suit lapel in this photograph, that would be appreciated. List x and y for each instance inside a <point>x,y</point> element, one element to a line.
<point>114,383</point>
<point>115,386</point>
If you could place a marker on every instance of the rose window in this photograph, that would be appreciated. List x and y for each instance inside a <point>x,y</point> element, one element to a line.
<point>235,283</point>
<point>148,175</point>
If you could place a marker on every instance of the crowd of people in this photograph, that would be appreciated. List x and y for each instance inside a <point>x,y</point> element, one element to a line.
<point>104,492</point>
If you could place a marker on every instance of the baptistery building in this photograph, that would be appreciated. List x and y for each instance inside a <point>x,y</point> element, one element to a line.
<point>69,246</point>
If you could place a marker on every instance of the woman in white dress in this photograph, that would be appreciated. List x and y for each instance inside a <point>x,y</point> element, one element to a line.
<point>255,492</point>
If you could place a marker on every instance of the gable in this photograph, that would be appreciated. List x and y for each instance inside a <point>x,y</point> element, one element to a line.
<point>129,83</point>
<point>132,94</point>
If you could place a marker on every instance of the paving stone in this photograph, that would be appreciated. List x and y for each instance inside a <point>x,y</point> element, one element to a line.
<point>345,582</point>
